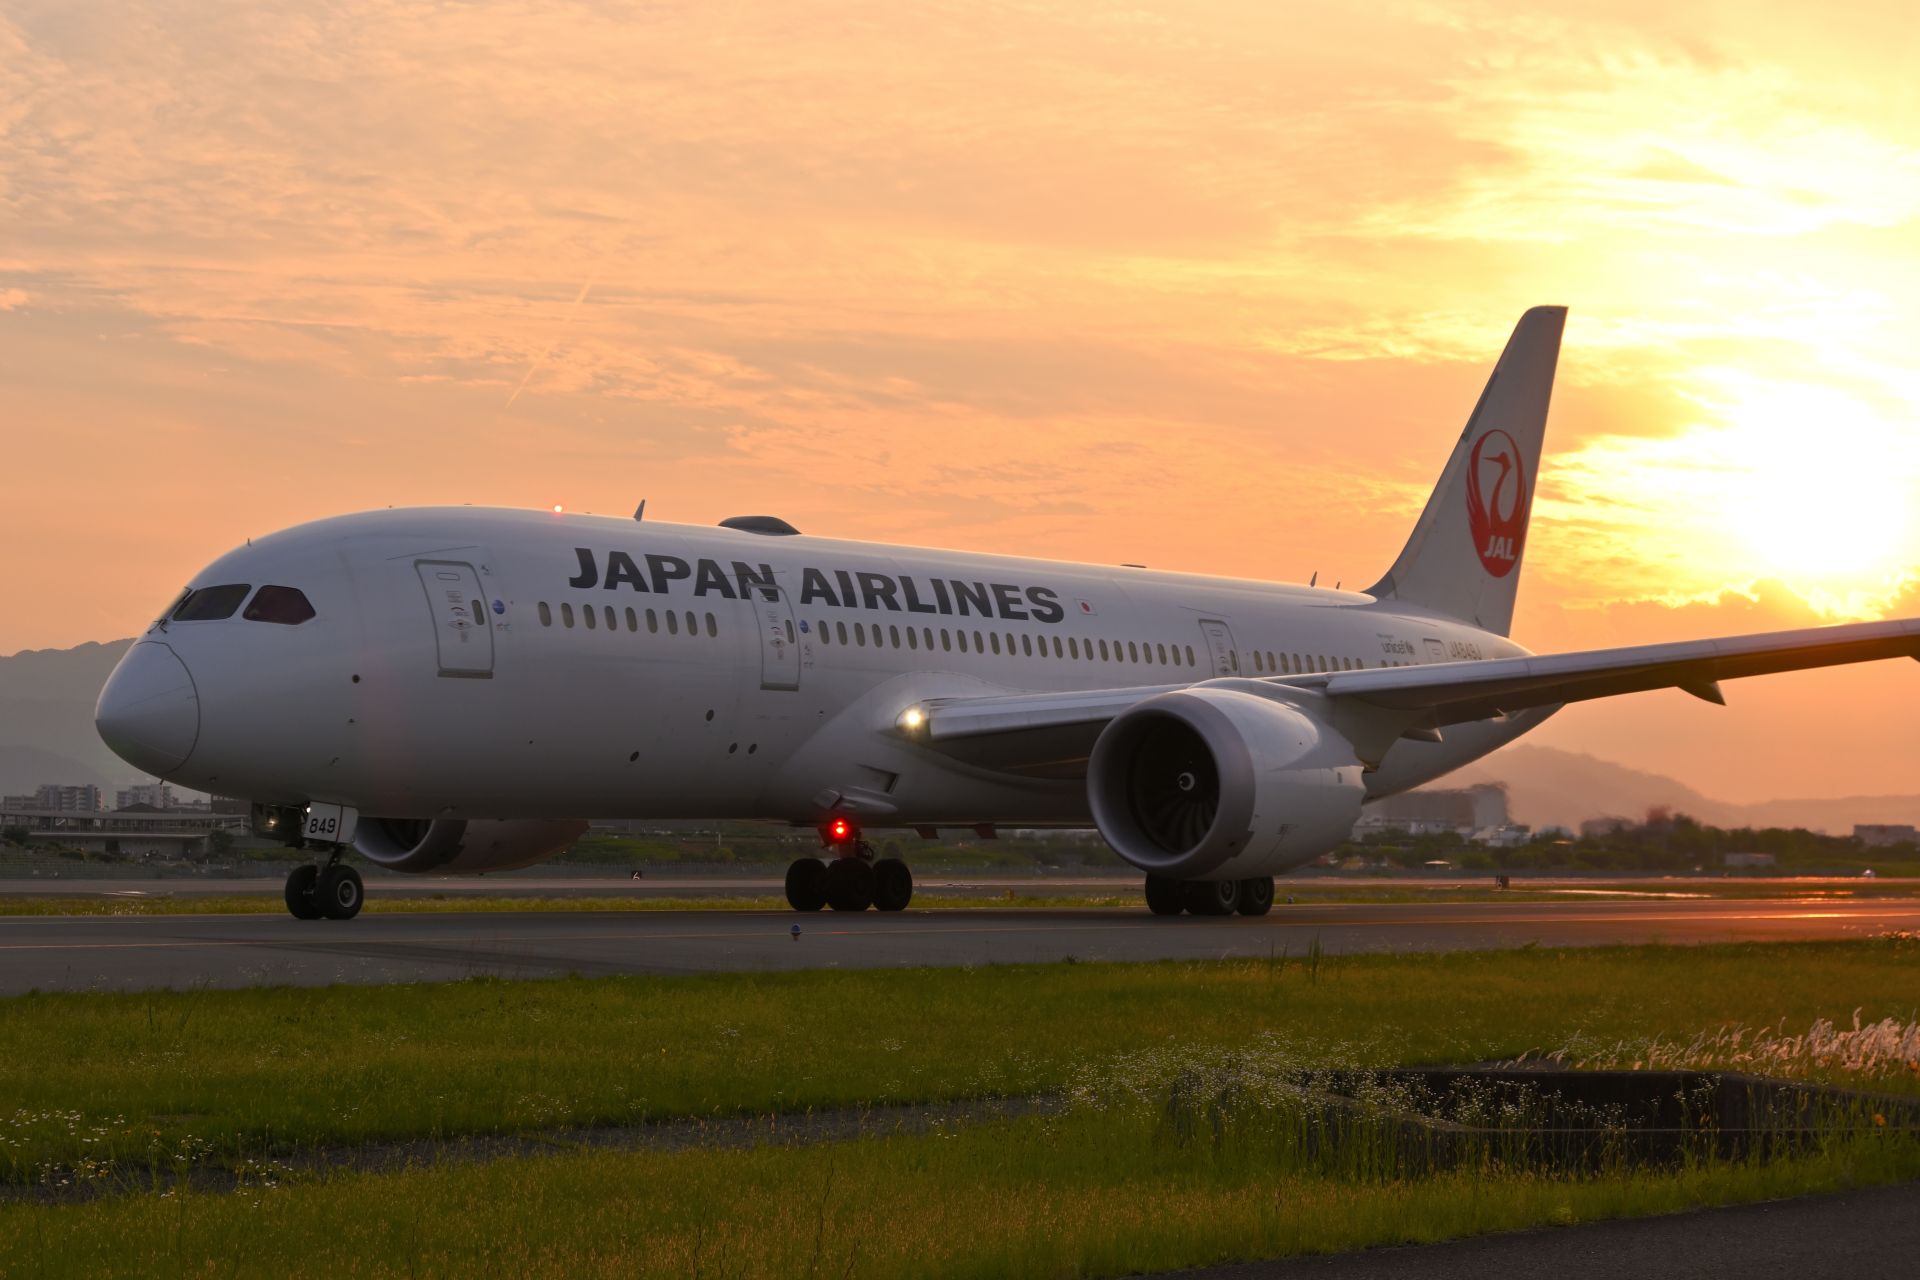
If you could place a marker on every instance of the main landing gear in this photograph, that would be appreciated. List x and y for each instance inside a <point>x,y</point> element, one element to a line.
<point>1168,897</point>
<point>330,892</point>
<point>852,879</point>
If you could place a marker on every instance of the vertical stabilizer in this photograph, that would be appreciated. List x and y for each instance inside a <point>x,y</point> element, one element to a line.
<point>1463,559</point>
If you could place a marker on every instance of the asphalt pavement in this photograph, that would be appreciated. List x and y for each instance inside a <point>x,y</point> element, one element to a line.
<point>124,953</point>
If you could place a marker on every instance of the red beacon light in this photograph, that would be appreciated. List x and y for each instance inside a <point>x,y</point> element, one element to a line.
<point>838,831</point>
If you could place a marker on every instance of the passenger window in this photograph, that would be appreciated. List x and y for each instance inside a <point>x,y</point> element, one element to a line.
<point>841,628</point>
<point>1026,644</point>
<point>979,643</point>
<point>673,623</point>
<point>963,642</point>
<point>1073,646</point>
<point>633,619</point>
<point>995,637</point>
<point>566,615</point>
<point>588,616</point>
<point>546,615</point>
<point>653,623</point>
<point>893,636</point>
<point>613,624</point>
<point>788,624</point>
<point>1256,660</point>
<point>1009,644</point>
<point>1162,651</point>
<point>288,606</point>
<point>1103,648</point>
<point>1133,652</point>
<point>826,632</point>
<point>927,633</point>
<point>913,639</point>
<point>1189,655</point>
<point>693,626</point>
<point>210,604</point>
<point>1059,650</point>
<point>860,634</point>
<point>946,640</point>
<point>713,628</point>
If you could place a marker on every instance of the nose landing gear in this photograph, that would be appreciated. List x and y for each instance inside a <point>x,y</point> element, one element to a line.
<point>853,880</point>
<point>331,892</point>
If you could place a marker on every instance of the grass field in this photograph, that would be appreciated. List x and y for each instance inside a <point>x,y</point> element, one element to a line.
<point>100,1089</point>
<point>1086,1194</point>
<point>134,1077</point>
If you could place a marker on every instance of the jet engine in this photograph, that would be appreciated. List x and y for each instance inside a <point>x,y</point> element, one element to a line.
<point>449,846</point>
<point>1217,784</point>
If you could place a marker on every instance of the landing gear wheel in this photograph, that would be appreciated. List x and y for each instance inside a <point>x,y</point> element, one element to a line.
<point>1256,896</point>
<point>892,885</point>
<point>807,884</point>
<point>340,894</point>
<point>1166,897</point>
<point>849,884</point>
<point>301,899</point>
<point>1213,897</point>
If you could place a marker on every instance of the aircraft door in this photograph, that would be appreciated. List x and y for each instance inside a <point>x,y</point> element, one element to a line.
<point>461,627</point>
<point>779,643</point>
<point>1226,658</point>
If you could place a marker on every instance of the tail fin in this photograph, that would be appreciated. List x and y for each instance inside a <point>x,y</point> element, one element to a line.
<point>1463,559</point>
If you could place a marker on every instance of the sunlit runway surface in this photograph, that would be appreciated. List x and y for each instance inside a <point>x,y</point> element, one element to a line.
<point>123,953</point>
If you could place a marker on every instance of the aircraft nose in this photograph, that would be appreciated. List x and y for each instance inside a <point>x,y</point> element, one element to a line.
<point>149,711</point>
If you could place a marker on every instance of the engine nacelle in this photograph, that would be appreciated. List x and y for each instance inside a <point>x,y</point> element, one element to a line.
<point>451,846</point>
<point>1216,784</point>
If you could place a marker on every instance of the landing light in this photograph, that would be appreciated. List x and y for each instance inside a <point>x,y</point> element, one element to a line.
<point>912,718</point>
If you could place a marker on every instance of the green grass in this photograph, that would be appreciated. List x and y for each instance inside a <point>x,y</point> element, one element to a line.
<point>134,1077</point>
<point>1085,1194</point>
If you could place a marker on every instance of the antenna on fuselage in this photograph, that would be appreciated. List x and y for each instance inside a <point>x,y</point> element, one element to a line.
<point>640,512</point>
<point>1315,579</point>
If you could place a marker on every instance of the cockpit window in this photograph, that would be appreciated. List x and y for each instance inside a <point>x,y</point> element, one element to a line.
<point>210,604</point>
<point>285,605</point>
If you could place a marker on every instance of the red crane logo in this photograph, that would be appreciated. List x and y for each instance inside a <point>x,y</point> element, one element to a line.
<point>1497,502</point>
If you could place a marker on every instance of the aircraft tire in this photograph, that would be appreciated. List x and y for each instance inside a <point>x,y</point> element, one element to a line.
<point>1166,897</point>
<point>340,894</point>
<point>1256,896</point>
<point>849,884</point>
<point>1213,897</point>
<point>302,901</point>
<point>892,885</point>
<point>807,884</point>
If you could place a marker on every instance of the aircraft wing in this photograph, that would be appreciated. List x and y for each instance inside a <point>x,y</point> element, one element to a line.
<point>1050,734</point>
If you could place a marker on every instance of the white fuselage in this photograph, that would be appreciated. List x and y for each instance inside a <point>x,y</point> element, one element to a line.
<point>693,691</point>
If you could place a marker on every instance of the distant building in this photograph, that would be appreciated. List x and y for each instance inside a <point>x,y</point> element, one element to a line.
<point>1507,837</point>
<point>154,795</point>
<point>1880,835</point>
<point>57,798</point>
<point>1750,861</point>
<point>1462,811</point>
<point>137,833</point>
<point>1601,828</point>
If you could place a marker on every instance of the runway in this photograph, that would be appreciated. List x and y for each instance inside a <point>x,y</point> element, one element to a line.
<point>129,953</point>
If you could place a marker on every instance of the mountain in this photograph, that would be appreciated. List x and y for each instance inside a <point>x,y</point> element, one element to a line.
<point>1550,787</point>
<point>46,717</point>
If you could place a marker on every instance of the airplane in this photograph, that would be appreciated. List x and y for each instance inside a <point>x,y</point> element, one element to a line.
<point>448,690</point>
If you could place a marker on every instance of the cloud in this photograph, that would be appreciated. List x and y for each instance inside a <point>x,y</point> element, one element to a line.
<point>12,299</point>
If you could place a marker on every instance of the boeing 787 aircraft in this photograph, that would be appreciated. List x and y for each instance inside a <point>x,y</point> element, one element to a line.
<point>455,689</point>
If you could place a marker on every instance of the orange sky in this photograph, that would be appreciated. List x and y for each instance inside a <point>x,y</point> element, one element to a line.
<point>1204,286</point>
